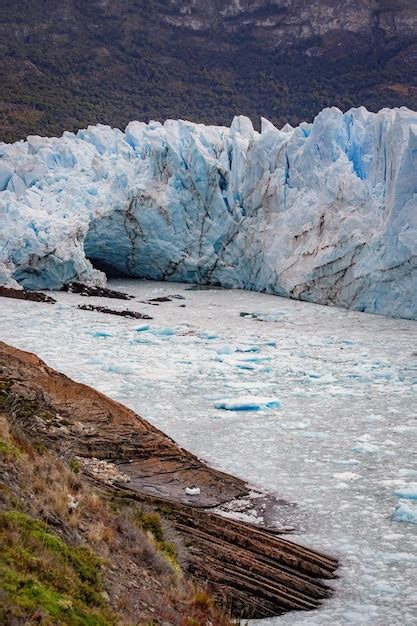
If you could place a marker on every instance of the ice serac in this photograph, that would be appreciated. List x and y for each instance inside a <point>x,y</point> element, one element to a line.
<point>325,212</point>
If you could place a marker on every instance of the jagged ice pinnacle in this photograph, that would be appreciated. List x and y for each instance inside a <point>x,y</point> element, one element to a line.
<point>325,212</point>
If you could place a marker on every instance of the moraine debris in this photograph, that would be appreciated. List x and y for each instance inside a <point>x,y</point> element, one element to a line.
<point>99,292</point>
<point>156,301</point>
<point>102,470</point>
<point>22,294</point>
<point>125,313</point>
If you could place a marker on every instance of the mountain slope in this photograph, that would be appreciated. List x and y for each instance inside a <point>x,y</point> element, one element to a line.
<point>71,63</point>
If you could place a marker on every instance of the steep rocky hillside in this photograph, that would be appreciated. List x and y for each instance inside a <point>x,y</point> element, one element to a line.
<point>69,63</point>
<point>97,525</point>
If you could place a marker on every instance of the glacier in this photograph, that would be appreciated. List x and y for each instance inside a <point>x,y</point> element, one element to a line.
<point>325,212</point>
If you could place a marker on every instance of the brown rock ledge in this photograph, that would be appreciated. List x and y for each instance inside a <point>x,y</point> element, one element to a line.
<point>250,570</point>
<point>22,294</point>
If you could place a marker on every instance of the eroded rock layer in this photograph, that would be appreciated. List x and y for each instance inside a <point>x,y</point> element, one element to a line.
<point>249,569</point>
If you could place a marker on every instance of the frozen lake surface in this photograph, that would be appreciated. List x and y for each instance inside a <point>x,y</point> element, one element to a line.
<point>318,405</point>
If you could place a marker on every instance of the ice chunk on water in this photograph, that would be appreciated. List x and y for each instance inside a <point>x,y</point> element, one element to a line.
<point>248,349</point>
<point>119,368</point>
<point>248,403</point>
<point>405,513</point>
<point>100,333</point>
<point>346,462</point>
<point>365,448</point>
<point>208,336</point>
<point>257,359</point>
<point>374,418</point>
<point>349,476</point>
<point>164,332</point>
<point>409,492</point>
<point>225,349</point>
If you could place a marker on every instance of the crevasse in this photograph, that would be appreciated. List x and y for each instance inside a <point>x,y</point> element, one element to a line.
<point>325,212</point>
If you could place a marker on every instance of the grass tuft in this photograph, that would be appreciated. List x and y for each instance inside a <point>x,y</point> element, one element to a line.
<point>9,450</point>
<point>40,572</point>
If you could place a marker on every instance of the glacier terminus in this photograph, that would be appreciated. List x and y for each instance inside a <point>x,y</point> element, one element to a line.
<point>325,212</point>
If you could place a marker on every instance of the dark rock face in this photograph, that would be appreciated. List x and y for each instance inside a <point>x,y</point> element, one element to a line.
<point>125,313</point>
<point>22,294</point>
<point>99,292</point>
<point>112,62</point>
<point>293,22</point>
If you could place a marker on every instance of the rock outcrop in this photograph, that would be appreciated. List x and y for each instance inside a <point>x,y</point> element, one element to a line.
<point>249,569</point>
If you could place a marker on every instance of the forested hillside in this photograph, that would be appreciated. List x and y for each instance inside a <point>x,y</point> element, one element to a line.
<point>69,63</point>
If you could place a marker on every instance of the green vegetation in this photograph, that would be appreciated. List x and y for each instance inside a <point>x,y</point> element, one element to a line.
<point>75,466</point>
<point>40,573</point>
<point>151,523</point>
<point>67,65</point>
<point>9,450</point>
<point>88,564</point>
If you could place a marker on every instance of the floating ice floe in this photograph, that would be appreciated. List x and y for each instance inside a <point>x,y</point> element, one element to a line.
<point>119,368</point>
<point>225,349</point>
<point>248,349</point>
<point>365,448</point>
<point>142,328</point>
<point>249,403</point>
<point>405,513</point>
<point>347,476</point>
<point>409,492</point>
<point>346,462</point>
<point>164,332</point>
<point>208,336</point>
<point>100,334</point>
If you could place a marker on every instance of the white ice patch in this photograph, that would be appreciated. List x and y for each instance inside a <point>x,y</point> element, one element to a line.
<point>248,403</point>
<point>347,476</point>
<point>405,513</point>
<point>409,492</point>
<point>193,491</point>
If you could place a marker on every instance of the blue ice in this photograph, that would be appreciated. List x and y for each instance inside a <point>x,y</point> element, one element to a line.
<point>408,493</point>
<point>248,404</point>
<point>99,333</point>
<point>405,513</point>
<point>164,332</point>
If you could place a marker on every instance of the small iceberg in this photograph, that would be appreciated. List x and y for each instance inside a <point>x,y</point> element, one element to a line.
<point>164,332</point>
<point>405,513</point>
<point>99,334</point>
<point>409,492</point>
<point>248,403</point>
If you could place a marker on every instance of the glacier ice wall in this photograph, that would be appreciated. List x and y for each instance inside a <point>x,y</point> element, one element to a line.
<point>325,212</point>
